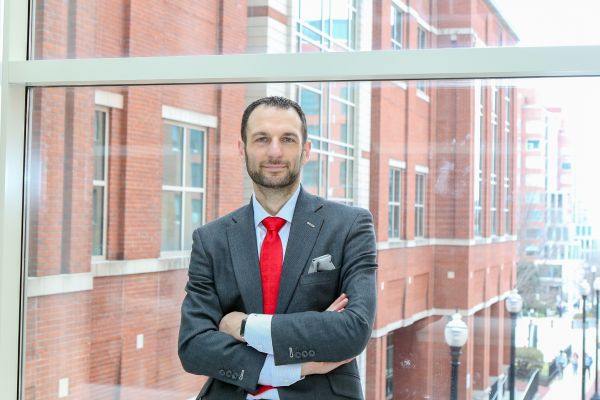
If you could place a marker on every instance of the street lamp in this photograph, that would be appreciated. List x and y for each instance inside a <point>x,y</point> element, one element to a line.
<point>596,396</point>
<point>584,291</point>
<point>456,335</point>
<point>514,303</point>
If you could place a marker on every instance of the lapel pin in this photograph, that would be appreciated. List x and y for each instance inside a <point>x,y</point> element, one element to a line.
<point>310,224</point>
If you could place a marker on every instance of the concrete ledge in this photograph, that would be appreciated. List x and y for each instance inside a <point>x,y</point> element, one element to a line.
<point>59,284</point>
<point>141,266</point>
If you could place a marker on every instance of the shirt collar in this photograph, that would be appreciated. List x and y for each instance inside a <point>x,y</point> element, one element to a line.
<point>286,212</point>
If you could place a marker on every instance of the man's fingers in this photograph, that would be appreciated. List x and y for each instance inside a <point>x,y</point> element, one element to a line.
<point>338,303</point>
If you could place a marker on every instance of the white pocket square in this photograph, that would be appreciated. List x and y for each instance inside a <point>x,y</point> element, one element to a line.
<point>322,263</point>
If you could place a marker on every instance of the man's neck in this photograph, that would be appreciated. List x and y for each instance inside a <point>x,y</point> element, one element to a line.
<point>272,200</point>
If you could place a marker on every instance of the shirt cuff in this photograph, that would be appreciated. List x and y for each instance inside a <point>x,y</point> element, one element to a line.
<point>258,332</point>
<point>279,375</point>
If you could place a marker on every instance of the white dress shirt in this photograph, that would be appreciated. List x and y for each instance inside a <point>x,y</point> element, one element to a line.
<point>258,326</point>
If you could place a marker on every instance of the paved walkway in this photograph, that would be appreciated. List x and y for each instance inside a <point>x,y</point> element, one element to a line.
<point>569,387</point>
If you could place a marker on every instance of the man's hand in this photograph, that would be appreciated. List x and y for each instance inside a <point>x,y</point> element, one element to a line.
<point>319,368</point>
<point>231,323</point>
<point>339,304</point>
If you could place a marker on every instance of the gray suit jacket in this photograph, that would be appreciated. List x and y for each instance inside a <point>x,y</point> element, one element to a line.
<point>224,276</point>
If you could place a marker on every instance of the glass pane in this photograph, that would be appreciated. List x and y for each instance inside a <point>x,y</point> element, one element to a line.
<point>119,28</point>
<point>98,221</point>
<point>99,145</point>
<point>195,159</point>
<point>171,221</point>
<point>194,214</point>
<point>173,155</point>
<point>448,236</point>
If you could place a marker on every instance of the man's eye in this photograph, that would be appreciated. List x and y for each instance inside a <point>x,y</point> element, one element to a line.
<point>261,139</point>
<point>288,140</point>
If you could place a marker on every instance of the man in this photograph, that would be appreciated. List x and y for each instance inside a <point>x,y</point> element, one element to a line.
<point>281,292</point>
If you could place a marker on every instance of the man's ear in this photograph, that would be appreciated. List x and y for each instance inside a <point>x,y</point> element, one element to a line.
<point>306,150</point>
<point>242,149</point>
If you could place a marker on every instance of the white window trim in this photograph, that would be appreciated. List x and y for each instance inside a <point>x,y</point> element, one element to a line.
<point>397,163</point>
<point>108,99</point>
<point>421,169</point>
<point>181,115</point>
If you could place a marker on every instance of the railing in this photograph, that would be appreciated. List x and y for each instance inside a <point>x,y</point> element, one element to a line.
<point>495,389</point>
<point>532,386</point>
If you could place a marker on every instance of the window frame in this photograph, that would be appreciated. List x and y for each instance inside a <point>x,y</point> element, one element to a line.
<point>104,183</point>
<point>389,367</point>
<point>397,14</point>
<point>184,189</point>
<point>397,205</point>
<point>420,231</point>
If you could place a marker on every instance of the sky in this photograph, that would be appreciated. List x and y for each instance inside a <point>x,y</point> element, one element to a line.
<point>558,23</point>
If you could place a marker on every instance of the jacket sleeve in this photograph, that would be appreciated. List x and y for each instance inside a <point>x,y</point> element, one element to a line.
<point>335,336</point>
<point>203,350</point>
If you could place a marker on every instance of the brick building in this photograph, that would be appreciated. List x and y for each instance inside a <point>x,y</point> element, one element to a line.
<point>120,176</point>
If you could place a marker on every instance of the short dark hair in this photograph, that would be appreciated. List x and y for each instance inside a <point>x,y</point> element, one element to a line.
<point>277,102</point>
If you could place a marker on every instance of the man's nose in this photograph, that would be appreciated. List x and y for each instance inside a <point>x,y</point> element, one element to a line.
<point>275,149</point>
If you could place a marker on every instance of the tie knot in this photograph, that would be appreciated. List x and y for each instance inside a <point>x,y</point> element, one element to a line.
<point>273,223</point>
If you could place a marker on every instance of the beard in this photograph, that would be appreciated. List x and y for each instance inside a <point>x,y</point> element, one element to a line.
<point>274,182</point>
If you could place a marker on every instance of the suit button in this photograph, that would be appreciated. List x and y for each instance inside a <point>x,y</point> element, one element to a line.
<point>311,353</point>
<point>304,354</point>
<point>297,354</point>
<point>222,372</point>
<point>234,375</point>
<point>228,373</point>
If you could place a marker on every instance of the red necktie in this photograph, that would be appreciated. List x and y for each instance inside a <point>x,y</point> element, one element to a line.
<point>271,260</point>
<point>271,263</point>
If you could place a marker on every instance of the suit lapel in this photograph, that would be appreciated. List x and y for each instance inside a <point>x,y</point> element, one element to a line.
<point>241,236</point>
<point>306,225</point>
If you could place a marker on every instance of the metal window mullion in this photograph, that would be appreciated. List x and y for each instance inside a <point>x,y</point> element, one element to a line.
<point>453,63</point>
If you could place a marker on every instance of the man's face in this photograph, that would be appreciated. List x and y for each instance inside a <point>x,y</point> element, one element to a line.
<point>273,151</point>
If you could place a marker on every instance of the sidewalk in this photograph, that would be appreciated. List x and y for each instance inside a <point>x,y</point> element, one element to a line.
<point>569,387</point>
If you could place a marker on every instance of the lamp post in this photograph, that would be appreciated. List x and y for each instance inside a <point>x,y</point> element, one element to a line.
<point>584,291</point>
<point>455,334</point>
<point>596,396</point>
<point>514,303</point>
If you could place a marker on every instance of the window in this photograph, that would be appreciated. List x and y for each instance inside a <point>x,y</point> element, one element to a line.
<point>389,368</point>
<point>100,187</point>
<point>533,144</point>
<point>329,107</point>
<point>535,216</point>
<point>420,205</point>
<point>421,44</point>
<point>397,27</point>
<point>330,110</point>
<point>183,185</point>
<point>495,160</point>
<point>326,25</point>
<point>507,162</point>
<point>534,198</point>
<point>480,152</point>
<point>534,233</point>
<point>395,203</point>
